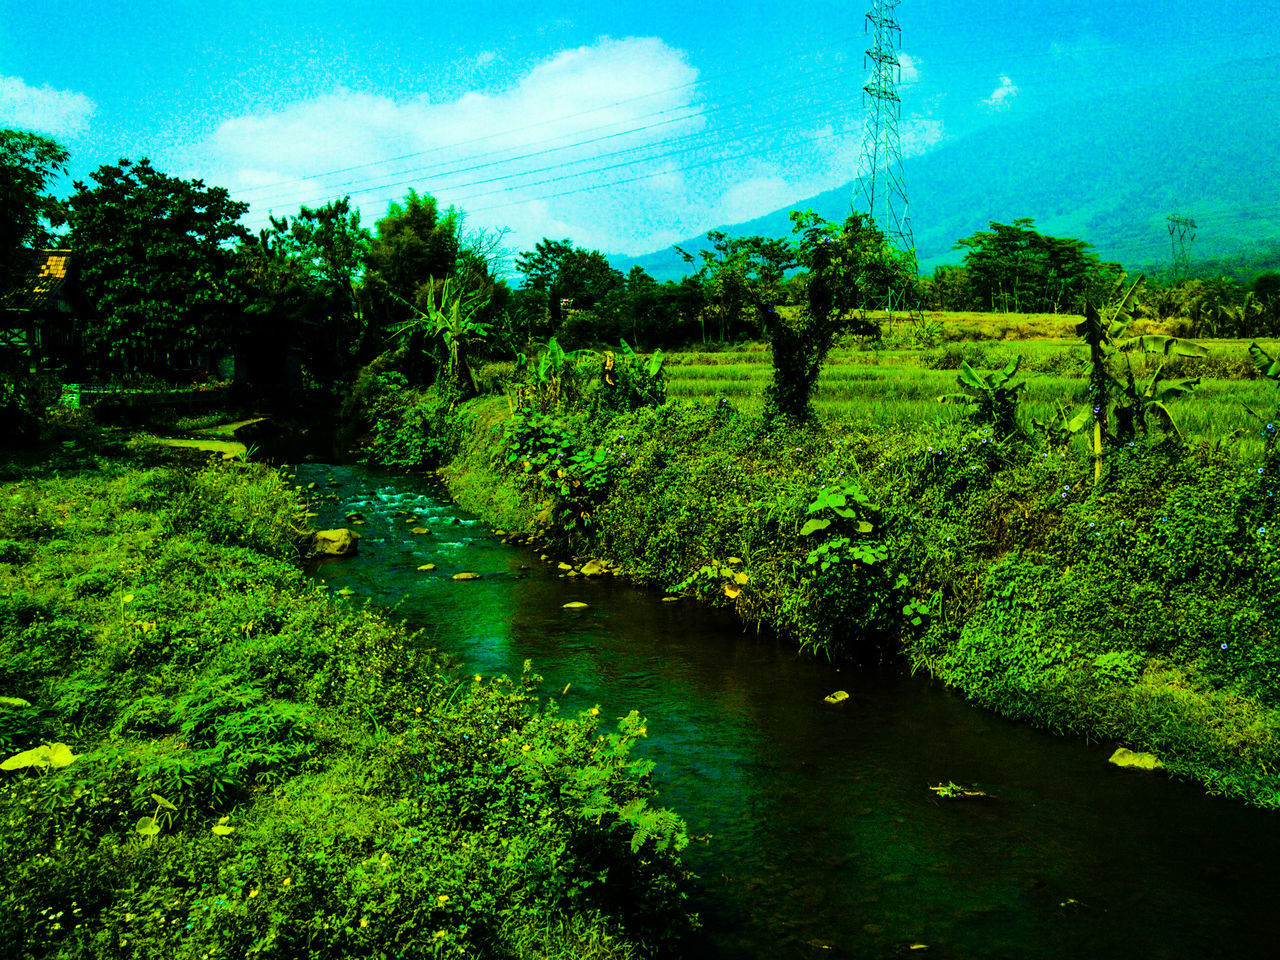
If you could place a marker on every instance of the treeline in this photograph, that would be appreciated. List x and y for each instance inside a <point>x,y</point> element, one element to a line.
<point>172,282</point>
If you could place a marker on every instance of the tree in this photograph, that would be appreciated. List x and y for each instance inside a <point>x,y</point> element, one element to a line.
<point>567,273</point>
<point>28,166</point>
<point>303,278</point>
<point>155,256</point>
<point>848,265</point>
<point>740,276</point>
<point>1011,267</point>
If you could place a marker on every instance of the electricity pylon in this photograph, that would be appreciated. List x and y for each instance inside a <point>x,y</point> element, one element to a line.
<point>1181,234</point>
<point>882,184</point>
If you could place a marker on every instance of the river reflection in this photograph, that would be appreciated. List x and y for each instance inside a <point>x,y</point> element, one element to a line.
<point>824,834</point>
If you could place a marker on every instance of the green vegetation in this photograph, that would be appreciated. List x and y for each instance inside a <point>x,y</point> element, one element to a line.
<point>242,766</point>
<point>1124,595</point>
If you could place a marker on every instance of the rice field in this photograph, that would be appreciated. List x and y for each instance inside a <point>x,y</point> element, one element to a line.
<point>901,387</point>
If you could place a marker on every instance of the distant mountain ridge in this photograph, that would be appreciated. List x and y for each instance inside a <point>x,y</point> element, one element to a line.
<point>1107,170</point>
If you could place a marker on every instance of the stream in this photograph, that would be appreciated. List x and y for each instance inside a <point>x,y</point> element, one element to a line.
<point>824,836</point>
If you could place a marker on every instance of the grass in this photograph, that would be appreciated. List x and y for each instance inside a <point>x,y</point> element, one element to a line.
<point>899,387</point>
<point>264,771</point>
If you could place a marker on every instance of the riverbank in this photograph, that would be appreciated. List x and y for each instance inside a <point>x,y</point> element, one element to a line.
<point>1141,610</point>
<point>262,770</point>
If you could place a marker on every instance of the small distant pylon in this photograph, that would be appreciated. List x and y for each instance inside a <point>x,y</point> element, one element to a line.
<point>1181,234</point>
<point>882,184</point>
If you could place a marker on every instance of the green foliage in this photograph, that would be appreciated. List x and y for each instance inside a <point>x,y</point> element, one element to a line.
<point>571,477</point>
<point>990,399</point>
<point>1011,267</point>
<point>260,771</point>
<point>29,164</point>
<point>450,321</point>
<point>572,278</point>
<point>412,429</point>
<point>153,257</point>
<point>1120,407</point>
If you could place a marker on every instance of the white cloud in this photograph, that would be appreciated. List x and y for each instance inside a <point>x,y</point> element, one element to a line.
<point>909,68</point>
<point>43,109</point>
<point>1002,96</point>
<point>531,156</point>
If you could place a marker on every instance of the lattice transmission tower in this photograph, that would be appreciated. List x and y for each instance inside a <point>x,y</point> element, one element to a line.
<point>882,185</point>
<point>1181,234</point>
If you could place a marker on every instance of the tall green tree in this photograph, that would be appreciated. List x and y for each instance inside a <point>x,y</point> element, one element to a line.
<point>1012,267</point>
<point>156,256</point>
<point>304,278</point>
<point>568,275</point>
<point>29,165</point>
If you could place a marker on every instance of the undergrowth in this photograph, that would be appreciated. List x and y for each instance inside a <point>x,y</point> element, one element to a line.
<point>261,771</point>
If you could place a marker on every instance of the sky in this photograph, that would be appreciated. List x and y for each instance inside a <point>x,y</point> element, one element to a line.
<point>624,127</point>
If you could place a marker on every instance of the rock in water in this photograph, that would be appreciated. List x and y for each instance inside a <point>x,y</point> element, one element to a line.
<point>1124,757</point>
<point>420,530</point>
<point>334,543</point>
<point>592,568</point>
<point>838,697</point>
<point>466,576</point>
<point>427,566</point>
<point>575,605</point>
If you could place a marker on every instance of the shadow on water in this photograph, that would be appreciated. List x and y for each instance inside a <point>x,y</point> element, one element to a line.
<point>824,834</point>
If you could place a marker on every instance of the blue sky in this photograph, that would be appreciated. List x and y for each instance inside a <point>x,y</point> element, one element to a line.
<point>624,126</point>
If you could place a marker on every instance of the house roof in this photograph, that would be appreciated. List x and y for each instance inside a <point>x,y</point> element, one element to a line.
<point>42,286</point>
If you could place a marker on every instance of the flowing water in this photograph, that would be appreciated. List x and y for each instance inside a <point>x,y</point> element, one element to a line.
<point>824,836</point>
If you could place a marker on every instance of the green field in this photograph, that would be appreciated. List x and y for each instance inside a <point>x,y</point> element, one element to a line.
<point>900,387</point>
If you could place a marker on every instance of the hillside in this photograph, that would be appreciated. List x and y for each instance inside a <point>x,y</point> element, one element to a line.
<point>1108,170</point>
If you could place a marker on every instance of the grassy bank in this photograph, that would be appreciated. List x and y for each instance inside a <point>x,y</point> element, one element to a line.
<point>262,771</point>
<point>1142,609</point>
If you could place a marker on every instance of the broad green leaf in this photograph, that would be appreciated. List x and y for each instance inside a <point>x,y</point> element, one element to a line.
<point>13,703</point>
<point>148,827</point>
<point>813,526</point>
<point>50,756</point>
<point>865,526</point>
<point>162,802</point>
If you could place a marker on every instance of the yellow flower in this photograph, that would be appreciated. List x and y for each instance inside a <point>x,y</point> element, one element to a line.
<point>439,934</point>
<point>363,923</point>
<point>477,678</point>
<point>443,898</point>
<point>525,748</point>
<point>417,709</point>
<point>287,881</point>
<point>595,711</point>
<point>252,894</point>
<point>643,731</point>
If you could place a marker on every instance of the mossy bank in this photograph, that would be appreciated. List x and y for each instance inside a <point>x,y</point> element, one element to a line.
<point>1142,609</point>
<point>261,770</point>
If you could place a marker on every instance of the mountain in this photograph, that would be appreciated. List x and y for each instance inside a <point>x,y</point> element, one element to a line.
<point>1108,170</point>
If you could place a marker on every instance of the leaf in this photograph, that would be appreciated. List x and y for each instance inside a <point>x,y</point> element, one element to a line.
<point>732,591</point>
<point>147,826</point>
<point>162,802</point>
<point>865,526</point>
<point>813,526</point>
<point>51,756</point>
<point>223,829</point>
<point>740,577</point>
<point>13,703</point>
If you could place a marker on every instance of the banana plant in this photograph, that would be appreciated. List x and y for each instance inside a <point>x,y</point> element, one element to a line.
<point>990,398</point>
<point>1118,408</point>
<point>452,319</point>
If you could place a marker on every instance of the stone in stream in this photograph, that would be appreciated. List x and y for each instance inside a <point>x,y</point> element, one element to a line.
<point>564,566</point>
<point>575,605</point>
<point>427,566</point>
<point>840,696</point>
<point>420,530</point>
<point>592,568</point>
<point>466,576</point>
<point>670,599</point>
<point>346,592</point>
<point>334,543</point>
<point>1131,759</point>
